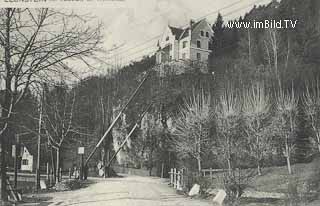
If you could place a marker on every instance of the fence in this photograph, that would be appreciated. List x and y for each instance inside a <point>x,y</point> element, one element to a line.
<point>134,171</point>
<point>181,179</point>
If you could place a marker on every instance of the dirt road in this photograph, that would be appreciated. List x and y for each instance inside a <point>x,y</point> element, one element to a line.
<point>125,191</point>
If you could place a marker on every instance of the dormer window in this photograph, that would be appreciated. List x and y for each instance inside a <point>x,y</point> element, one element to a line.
<point>167,39</point>
<point>202,33</point>
<point>207,34</point>
<point>198,44</point>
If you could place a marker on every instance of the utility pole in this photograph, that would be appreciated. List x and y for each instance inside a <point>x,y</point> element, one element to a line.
<point>39,140</point>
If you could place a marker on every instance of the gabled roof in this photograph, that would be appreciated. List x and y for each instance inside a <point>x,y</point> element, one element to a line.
<point>180,33</point>
<point>176,31</point>
<point>194,25</point>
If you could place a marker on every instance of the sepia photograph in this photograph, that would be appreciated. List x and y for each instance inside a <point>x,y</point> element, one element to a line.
<point>160,102</point>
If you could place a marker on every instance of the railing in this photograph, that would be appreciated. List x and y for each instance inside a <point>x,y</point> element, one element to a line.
<point>176,178</point>
<point>211,172</point>
<point>180,179</point>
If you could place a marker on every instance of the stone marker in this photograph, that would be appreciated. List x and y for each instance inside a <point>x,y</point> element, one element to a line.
<point>194,190</point>
<point>220,197</point>
<point>43,185</point>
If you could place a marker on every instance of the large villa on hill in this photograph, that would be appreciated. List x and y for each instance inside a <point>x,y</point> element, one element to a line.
<point>189,43</point>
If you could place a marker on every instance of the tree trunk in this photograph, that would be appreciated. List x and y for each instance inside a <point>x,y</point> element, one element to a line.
<point>4,196</point>
<point>199,150</point>
<point>199,164</point>
<point>288,157</point>
<point>150,163</point>
<point>249,47</point>
<point>53,164</point>
<point>259,168</point>
<point>58,166</point>
<point>7,104</point>
<point>318,142</point>
<point>229,165</point>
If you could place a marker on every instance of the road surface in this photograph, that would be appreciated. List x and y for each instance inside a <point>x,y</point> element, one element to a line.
<point>124,191</point>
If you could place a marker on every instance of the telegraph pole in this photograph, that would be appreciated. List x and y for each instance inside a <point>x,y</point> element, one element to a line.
<point>39,140</point>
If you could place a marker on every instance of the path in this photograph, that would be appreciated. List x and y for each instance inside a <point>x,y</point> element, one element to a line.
<point>125,191</point>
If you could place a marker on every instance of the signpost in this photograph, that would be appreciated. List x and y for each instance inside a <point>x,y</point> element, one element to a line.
<point>81,152</point>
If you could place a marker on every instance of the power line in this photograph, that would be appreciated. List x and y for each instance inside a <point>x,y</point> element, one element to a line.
<point>223,8</point>
<point>225,15</point>
<point>244,7</point>
<point>216,11</point>
<point>208,14</point>
<point>134,47</point>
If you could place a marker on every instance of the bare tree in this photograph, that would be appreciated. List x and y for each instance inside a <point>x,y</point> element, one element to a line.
<point>311,99</point>
<point>37,44</point>
<point>58,122</point>
<point>256,108</point>
<point>287,112</point>
<point>227,114</point>
<point>271,42</point>
<point>192,129</point>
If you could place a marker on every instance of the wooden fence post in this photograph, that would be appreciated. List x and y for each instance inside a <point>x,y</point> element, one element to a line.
<point>178,180</point>
<point>162,169</point>
<point>182,178</point>
<point>211,175</point>
<point>60,174</point>
<point>69,173</point>
<point>174,177</point>
<point>171,176</point>
<point>48,173</point>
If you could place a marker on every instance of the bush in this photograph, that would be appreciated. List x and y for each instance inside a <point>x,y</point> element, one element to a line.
<point>68,185</point>
<point>235,182</point>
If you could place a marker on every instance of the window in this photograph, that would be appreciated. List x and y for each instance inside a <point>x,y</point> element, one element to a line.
<point>209,45</point>
<point>167,39</point>
<point>198,56</point>
<point>184,44</point>
<point>183,55</point>
<point>24,162</point>
<point>202,33</point>
<point>207,34</point>
<point>198,44</point>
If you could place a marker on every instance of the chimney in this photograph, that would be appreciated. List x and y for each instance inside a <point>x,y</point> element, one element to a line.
<point>190,29</point>
<point>191,23</point>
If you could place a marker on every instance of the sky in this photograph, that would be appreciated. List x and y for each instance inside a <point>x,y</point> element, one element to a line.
<point>133,29</point>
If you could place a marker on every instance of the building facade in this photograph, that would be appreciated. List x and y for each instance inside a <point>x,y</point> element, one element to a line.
<point>26,160</point>
<point>189,43</point>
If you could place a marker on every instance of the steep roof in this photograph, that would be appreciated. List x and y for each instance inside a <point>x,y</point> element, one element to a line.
<point>176,31</point>
<point>194,25</point>
<point>180,33</point>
